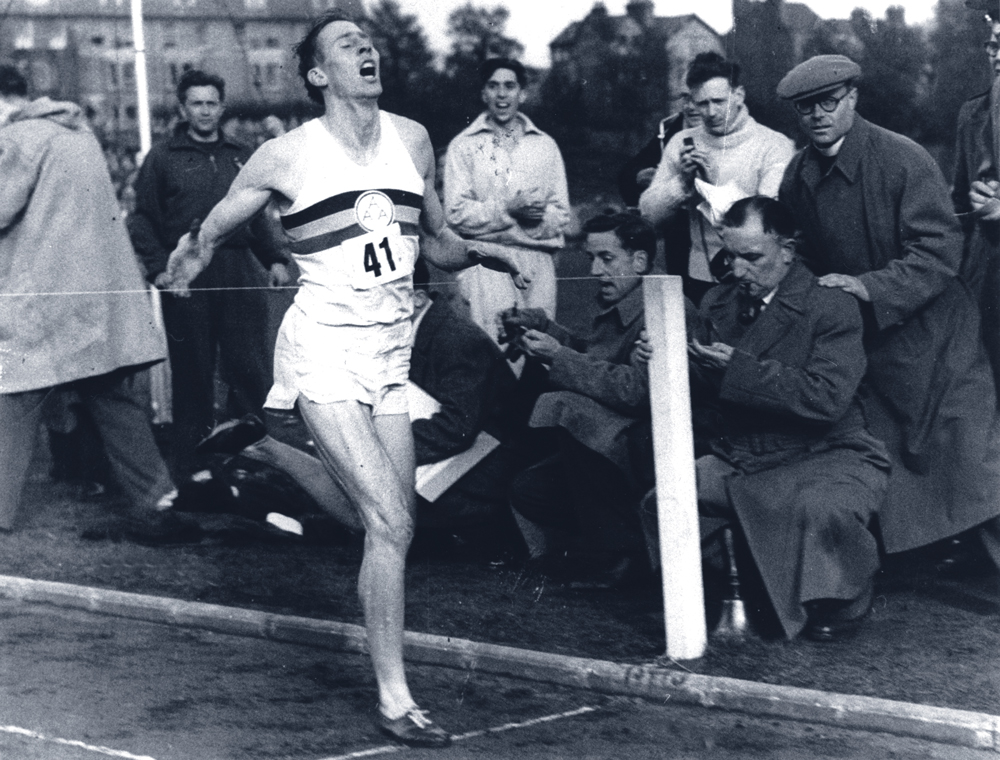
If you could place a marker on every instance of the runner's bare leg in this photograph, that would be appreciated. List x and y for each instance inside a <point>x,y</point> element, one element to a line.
<point>372,459</point>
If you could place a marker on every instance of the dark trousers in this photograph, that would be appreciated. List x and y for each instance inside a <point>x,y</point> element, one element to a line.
<point>225,318</point>
<point>119,406</point>
<point>579,489</point>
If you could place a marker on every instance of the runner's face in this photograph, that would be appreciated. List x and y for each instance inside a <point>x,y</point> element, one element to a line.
<point>202,110</point>
<point>503,96</point>
<point>350,64</point>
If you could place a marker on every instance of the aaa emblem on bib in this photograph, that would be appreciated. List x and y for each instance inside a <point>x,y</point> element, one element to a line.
<point>374,210</point>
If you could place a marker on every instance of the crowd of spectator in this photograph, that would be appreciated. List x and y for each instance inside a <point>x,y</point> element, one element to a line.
<point>841,325</point>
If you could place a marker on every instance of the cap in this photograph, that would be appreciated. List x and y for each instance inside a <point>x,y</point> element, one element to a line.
<point>818,74</point>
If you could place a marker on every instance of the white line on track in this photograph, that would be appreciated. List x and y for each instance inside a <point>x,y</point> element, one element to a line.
<point>107,751</point>
<point>390,748</point>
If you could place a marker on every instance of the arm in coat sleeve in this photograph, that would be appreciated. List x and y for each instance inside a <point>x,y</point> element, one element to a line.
<point>145,224</point>
<point>927,232</point>
<point>465,212</point>
<point>667,193</point>
<point>20,175</point>
<point>822,387</point>
<point>621,387</point>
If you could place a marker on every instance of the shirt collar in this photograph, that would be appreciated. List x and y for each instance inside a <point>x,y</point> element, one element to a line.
<point>482,125</point>
<point>848,158</point>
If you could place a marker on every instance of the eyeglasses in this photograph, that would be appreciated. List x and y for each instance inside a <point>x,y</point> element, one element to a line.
<point>828,104</point>
<point>991,47</point>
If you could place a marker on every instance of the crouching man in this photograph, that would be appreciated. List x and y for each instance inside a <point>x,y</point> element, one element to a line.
<point>595,403</point>
<point>792,462</point>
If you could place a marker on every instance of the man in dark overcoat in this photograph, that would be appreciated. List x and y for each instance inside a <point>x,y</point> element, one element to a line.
<point>782,359</point>
<point>877,223</point>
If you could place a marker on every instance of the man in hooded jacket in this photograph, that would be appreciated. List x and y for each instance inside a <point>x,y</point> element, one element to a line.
<point>73,305</point>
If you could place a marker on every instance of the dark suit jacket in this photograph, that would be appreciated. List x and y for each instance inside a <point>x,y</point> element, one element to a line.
<point>457,363</point>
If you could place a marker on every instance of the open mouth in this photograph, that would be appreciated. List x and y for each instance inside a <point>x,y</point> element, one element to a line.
<point>368,69</point>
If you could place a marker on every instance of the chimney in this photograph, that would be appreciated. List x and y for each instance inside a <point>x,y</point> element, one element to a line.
<point>641,11</point>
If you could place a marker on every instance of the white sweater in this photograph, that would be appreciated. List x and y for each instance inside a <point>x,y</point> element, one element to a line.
<point>751,159</point>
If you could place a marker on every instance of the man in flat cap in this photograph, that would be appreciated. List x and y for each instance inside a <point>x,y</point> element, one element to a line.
<point>877,222</point>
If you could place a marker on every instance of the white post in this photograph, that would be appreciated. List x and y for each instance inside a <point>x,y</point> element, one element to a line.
<point>673,449</point>
<point>141,85</point>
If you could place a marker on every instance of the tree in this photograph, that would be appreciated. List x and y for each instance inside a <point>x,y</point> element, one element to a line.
<point>895,65</point>
<point>408,75</point>
<point>959,66</point>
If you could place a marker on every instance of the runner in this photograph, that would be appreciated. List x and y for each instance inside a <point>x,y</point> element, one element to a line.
<point>355,191</point>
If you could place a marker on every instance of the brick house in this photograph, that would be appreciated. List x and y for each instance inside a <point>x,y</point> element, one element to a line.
<point>82,50</point>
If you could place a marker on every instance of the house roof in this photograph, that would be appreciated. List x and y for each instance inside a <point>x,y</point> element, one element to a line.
<point>607,27</point>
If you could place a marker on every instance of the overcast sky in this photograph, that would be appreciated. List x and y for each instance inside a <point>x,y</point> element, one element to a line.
<point>536,22</point>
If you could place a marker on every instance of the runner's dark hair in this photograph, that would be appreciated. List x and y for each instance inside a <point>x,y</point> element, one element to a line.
<point>309,53</point>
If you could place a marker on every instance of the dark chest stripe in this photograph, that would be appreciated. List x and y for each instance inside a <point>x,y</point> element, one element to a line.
<point>345,202</point>
<point>333,239</point>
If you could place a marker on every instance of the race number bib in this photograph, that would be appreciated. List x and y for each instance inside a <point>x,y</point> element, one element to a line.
<point>378,257</point>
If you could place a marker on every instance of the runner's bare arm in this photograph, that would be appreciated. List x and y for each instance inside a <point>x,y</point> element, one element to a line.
<point>249,193</point>
<point>440,245</point>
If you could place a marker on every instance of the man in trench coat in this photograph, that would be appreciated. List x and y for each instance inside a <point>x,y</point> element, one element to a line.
<point>74,308</point>
<point>877,223</point>
<point>782,359</point>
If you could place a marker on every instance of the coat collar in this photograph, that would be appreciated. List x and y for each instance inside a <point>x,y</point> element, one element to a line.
<point>848,161</point>
<point>628,310</point>
<point>181,140</point>
<point>482,125</point>
<point>786,308</point>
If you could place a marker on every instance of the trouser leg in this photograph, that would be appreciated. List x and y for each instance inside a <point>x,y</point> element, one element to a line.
<point>120,410</point>
<point>372,459</point>
<point>246,341</point>
<point>604,501</point>
<point>190,339</point>
<point>20,417</point>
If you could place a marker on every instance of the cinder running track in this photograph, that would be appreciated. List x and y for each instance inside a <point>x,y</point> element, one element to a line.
<point>82,686</point>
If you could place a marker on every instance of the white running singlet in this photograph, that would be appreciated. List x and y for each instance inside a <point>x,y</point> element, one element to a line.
<point>353,232</point>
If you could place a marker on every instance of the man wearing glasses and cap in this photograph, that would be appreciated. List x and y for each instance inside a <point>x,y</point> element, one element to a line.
<point>877,223</point>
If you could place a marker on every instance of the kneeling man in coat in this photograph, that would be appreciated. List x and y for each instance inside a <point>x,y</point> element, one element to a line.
<point>791,461</point>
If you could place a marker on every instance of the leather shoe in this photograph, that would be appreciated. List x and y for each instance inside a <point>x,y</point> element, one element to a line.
<point>414,729</point>
<point>233,436</point>
<point>829,620</point>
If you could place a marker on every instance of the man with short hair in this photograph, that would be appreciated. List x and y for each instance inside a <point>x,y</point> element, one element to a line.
<point>74,311</point>
<point>877,223</point>
<point>729,152</point>
<point>355,192</point>
<point>596,400</point>
<point>226,315</point>
<point>781,359</point>
<point>504,182</point>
